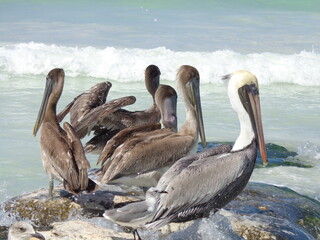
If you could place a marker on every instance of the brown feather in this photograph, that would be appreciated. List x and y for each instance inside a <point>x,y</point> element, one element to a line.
<point>97,115</point>
<point>123,136</point>
<point>134,156</point>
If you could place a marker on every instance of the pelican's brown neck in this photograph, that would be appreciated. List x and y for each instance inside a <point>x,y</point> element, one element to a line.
<point>51,110</point>
<point>190,126</point>
<point>153,108</point>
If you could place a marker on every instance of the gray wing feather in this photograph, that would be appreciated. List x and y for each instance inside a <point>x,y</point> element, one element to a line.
<point>198,183</point>
<point>129,212</point>
<point>184,162</point>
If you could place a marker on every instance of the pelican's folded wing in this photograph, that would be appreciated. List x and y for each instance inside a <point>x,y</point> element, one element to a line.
<point>196,185</point>
<point>184,162</point>
<point>80,159</point>
<point>122,136</point>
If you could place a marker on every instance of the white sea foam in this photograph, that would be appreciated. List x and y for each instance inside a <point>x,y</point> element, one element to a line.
<point>127,65</point>
<point>309,150</point>
<point>296,178</point>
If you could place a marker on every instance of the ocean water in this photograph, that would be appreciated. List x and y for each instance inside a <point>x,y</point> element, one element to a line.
<point>278,41</point>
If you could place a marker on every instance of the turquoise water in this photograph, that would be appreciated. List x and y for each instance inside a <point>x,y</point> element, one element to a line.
<point>242,26</point>
<point>290,116</point>
<point>115,40</point>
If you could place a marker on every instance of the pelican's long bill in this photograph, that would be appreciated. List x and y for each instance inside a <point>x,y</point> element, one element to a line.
<point>43,107</point>
<point>193,93</point>
<point>254,111</point>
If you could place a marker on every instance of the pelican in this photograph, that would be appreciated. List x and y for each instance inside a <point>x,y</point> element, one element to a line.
<point>207,181</point>
<point>136,214</point>
<point>62,153</point>
<point>88,110</point>
<point>141,159</point>
<point>23,231</point>
<point>121,118</point>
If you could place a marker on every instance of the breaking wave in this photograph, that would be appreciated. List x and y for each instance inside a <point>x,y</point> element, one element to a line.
<point>128,64</point>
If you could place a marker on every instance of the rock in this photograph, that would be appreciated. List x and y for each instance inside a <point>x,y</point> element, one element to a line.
<point>109,196</point>
<point>3,232</point>
<point>42,210</point>
<point>261,211</point>
<point>274,213</point>
<point>250,230</point>
<point>279,151</point>
<point>175,227</point>
<point>74,230</point>
<point>277,156</point>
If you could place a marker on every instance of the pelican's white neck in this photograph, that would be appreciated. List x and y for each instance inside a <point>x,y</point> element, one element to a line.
<point>246,131</point>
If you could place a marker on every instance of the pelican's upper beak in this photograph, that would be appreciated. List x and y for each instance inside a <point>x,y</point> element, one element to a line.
<point>169,112</point>
<point>43,107</point>
<point>152,79</point>
<point>254,111</point>
<point>193,93</point>
<point>37,236</point>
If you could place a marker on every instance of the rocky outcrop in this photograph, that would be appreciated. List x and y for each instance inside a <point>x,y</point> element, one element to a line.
<point>261,211</point>
<point>76,229</point>
<point>79,229</point>
<point>43,211</point>
<point>279,211</point>
<point>277,156</point>
<point>40,209</point>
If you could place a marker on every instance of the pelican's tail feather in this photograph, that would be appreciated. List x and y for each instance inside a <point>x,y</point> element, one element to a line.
<point>159,223</point>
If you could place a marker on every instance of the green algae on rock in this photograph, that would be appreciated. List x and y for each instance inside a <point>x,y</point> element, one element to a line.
<point>40,209</point>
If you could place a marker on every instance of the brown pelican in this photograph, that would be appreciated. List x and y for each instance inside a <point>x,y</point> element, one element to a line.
<point>136,214</point>
<point>121,118</point>
<point>23,231</point>
<point>141,159</point>
<point>62,153</point>
<point>88,110</point>
<point>207,181</point>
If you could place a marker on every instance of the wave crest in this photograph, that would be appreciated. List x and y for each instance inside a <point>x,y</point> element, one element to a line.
<point>127,65</point>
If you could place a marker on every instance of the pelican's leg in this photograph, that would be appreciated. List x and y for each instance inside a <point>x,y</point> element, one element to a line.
<point>51,188</point>
<point>136,235</point>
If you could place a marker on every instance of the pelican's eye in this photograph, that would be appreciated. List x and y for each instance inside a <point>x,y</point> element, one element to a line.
<point>253,89</point>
